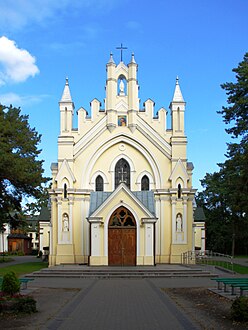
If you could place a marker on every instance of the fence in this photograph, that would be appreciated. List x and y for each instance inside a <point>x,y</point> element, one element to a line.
<point>208,258</point>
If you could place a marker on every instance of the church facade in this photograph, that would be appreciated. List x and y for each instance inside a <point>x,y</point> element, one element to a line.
<point>122,187</point>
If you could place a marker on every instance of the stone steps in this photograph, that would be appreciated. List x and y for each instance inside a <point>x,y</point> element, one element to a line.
<point>120,272</point>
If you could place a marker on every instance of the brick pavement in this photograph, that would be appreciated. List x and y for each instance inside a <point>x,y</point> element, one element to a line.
<point>120,304</point>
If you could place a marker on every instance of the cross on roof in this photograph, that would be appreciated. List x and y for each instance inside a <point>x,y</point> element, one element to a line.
<point>121,49</point>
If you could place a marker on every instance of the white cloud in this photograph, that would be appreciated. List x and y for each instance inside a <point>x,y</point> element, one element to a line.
<point>16,65</point>
<point>16,14</point>
<point>19,101</point>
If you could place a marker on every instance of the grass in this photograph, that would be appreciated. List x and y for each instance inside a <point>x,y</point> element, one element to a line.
<point>24,268</point>
<point>240,269</point>
<point>227,265</point>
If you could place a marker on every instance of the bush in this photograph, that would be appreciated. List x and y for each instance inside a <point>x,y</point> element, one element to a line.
<point>16,253</point>
<point>239,309</point>
<point>25,305</point>
<point>11,284</point>
<point>17,304</point>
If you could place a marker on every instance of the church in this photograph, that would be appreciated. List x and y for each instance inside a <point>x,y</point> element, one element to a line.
<point>122,186</point>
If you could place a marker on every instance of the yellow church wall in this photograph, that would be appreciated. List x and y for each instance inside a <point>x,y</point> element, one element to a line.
<point>84,160</point>
<point>96,146</point>
<point>77,229</point>
<point>165,232</point>
<point>159,124</point>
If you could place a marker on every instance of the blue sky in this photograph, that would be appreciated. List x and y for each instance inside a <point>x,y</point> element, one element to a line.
<point>201,41</point>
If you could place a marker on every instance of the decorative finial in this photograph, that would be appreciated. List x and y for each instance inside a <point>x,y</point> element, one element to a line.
<point>178,97</point>
<point>111,60</point>
<point>66,96</point>
<point>132,59</point>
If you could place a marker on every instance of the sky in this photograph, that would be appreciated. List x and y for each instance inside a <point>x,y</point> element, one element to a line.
<point>44,41</point>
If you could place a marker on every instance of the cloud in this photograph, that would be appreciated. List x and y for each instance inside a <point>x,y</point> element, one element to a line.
<point>16,65</point>
<point>16,14</point>
<point>19,101</point>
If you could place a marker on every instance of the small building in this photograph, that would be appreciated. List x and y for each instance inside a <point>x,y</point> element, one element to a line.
<point>19,242</point>
<point>33,232</point>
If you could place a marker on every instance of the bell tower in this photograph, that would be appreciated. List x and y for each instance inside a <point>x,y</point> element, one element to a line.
<point>121,102</point>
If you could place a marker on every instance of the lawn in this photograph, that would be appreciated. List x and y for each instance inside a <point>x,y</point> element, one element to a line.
<point>224,264</point>
<point>24,268</point>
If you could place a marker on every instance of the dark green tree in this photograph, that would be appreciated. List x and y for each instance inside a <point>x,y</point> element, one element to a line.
<point>21,173</point>
<point>226,192</point>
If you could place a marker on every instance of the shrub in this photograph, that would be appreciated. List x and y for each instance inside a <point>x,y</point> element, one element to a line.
<point>17,304</point>
<point>25,305</point>
<point>239,309</point>
<point>11,284</point>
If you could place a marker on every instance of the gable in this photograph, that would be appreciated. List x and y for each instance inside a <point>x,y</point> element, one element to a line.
<point>142,199</point>
<point>65,172</point>
<point>179,171</point>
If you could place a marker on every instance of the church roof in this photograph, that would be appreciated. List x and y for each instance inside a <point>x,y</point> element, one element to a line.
<point>45,214</point>
<point>199,214</point>
<point>97,198</point>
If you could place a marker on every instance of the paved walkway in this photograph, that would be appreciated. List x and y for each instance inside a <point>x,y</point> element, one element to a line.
<point>119,305</point>
<point>116,304</point>
<point>19,260</point>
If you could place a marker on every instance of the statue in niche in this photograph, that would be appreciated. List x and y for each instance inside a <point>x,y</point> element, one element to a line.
<point>179,223</point>
<point>122,88</point>
<point>65,222</point>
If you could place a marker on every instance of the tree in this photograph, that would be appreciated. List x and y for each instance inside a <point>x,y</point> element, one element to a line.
<point>236,113</point>
<point>226,191</point>
<point>21,173</point>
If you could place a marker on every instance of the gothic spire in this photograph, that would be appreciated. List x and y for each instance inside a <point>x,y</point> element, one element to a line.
<point>66,96</point>
<point>178,97</point>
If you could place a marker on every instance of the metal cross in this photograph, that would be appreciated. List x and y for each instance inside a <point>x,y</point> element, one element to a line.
<point>122,175</point>
<point>121,49</point>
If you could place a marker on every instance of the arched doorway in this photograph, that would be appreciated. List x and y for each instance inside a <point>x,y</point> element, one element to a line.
<point>122,238</point>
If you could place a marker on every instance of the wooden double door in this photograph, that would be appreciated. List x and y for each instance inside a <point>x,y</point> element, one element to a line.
<point>122,238</point>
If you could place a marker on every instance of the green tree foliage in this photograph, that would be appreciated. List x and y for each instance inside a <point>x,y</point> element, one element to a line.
<point>21,173</point>
<point>225,195</point>
<point>11,284</point>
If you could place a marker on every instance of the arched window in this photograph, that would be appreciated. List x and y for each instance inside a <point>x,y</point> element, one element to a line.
<point>122,173</point>
<point>65,190</point>
<point>99,183</point>
<point>145,183</point>
<point>179,191</point>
